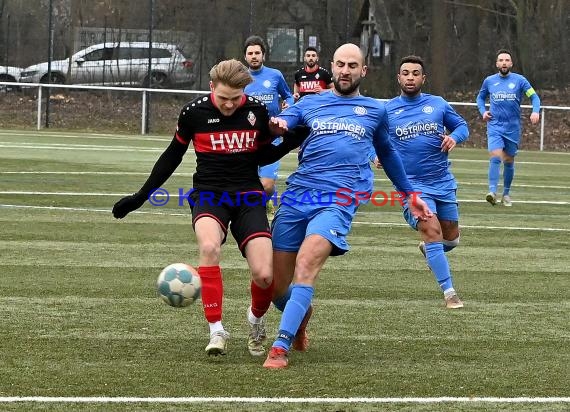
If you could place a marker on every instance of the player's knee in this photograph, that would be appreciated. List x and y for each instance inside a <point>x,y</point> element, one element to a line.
<point>210,250</point>
<point>450,244</point>
<point>262,277</point>
<point>261,267</point>
<point>495,159</point>
<point>509,163</point>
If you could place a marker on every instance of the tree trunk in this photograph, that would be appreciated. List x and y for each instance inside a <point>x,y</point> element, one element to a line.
<point>438,72</point>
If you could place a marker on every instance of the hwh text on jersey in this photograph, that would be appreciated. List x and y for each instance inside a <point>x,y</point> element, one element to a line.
<point>232,141</point>
<point>309,85</point>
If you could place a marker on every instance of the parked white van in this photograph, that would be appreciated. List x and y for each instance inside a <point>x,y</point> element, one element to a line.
<point>118,64</point>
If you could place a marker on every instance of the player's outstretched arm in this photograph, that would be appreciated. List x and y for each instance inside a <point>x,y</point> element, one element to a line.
<point>162,170</point>
<point>291,139</point>
<point>389,157</point>
<point>394,169</point>
<point>277,126</point>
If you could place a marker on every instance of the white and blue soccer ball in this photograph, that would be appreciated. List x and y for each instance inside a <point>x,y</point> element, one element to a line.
<point>178,285</point>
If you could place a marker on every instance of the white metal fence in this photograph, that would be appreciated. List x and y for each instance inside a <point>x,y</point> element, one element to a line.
<point>145,92</point>
<point>543,110</point>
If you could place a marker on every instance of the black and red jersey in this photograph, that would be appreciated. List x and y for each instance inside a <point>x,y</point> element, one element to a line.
<point>225,146</point>
<point>307,79</point>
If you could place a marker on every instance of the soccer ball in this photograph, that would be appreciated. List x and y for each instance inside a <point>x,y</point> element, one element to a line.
<point>178,285</point>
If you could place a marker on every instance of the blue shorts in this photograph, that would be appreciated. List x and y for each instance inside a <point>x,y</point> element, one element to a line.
<point>269,171</point>
<point>445,207</point>
<point>496,140</point>
<point>294,221</point>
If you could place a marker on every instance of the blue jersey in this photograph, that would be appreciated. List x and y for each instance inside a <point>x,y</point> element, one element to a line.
<point>505,97</point>
<point>335,155</point>
<point>268,85</point>
<point>416,126</point>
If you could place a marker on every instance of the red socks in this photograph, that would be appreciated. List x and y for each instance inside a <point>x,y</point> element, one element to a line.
<point>260,299</point>
<point>212,292</point>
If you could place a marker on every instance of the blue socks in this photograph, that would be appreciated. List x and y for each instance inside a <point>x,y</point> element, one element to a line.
<point>508,175</point>
<point>437,261</point>
<point>494,171</point>
<point>293,315</point>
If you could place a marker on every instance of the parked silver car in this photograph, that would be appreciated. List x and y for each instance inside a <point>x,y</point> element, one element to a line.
<point>9,74</point>
<point>124,64</point>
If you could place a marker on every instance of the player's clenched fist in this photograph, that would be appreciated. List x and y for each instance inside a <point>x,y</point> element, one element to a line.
<point>127,204</point>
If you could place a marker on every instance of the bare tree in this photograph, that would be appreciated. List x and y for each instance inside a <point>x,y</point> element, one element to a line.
<point>457,38</point>
<point>438,46</point>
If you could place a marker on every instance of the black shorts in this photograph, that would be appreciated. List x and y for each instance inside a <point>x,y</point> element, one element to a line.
<point>244,213</point>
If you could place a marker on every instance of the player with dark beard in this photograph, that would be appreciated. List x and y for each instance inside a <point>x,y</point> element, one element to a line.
<point>270,87</point>
<point>311,78</point>
<point>333,158</point>
<point>505,90</point>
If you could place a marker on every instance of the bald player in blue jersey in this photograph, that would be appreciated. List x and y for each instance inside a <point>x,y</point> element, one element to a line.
<point>424,129</point>
<point>505,91</point>
<point>268,86</point>
<point>322,196</point>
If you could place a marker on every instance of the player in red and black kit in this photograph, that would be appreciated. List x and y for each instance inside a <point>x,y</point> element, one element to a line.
<point>231,138</point>
<point>311,78</point>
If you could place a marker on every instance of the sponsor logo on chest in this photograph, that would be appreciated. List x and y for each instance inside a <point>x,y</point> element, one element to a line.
<point>235,141</point>
<point>309,84</point>
<point>226,141</point>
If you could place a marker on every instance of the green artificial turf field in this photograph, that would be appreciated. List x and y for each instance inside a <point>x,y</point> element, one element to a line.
<point>80,316</point>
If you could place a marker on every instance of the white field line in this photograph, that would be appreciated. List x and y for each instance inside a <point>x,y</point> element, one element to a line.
<point>34,145</point>
<point>110,136</point>
<point>84,209</point>
<point>533,229</point>
<point>62,146</point>
<point>22,193</point>
<point>96,173</point>
<point>91,173</point>
<point>529,202</point>
<point>517,162</point>
<point>90,136</point>
<point>97,194</point>
<point>385,224</point>
<point>229,399</point>
<point>461,183</point>
<point>90,148</point>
